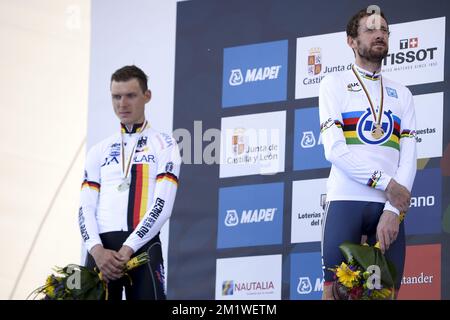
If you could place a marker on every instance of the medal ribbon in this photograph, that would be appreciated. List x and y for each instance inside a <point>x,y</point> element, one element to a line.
<point>127,171</point>
<point>380,113</point>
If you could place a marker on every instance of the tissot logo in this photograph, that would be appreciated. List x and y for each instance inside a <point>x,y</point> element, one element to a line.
<point>409,43</point>
<point>410,56</point>
<point>416,53</point>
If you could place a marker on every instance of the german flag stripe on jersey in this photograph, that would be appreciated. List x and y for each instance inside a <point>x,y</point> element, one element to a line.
<point>138,196</point>
<point>167,176</point>
<point>91,184</point>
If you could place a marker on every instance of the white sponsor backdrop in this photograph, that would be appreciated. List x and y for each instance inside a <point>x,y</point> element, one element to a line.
<point>330,50</point>
<point>253,144</point>
<point>258,277</point>
<point>307,210</point>
<point>148,48</point>
<point>429,122</point>
<point>425,63</point>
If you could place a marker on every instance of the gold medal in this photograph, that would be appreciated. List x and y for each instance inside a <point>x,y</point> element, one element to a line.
<point>378,132</point>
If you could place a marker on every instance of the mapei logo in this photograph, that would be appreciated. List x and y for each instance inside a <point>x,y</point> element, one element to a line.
<point>254,74</point>
<point>314,62</point>
<point>249,216</point>
<point>304,285</point>
<point>308,140</point>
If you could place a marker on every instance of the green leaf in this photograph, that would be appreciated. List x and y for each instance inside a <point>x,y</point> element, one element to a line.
<point>366,256</point>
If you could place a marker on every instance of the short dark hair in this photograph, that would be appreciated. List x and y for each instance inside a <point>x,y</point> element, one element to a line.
<point>353,24</point>
<point>131,72</point>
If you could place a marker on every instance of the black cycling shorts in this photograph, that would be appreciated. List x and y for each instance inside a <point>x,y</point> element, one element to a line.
<point>348,221</point>
<point>147,280</point>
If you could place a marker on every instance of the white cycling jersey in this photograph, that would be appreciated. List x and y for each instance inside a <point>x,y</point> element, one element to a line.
<point>363,162</point>
<point>143,202</point>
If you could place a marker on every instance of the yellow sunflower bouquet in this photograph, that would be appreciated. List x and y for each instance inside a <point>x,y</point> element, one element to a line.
<point>366,274</point>
<point>75,282</point>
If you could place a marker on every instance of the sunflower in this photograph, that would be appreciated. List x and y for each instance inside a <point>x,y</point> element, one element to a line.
<point>347,276</point>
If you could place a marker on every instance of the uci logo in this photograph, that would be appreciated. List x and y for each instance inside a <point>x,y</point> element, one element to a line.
<point>236,77</point>
<point>366,125</point>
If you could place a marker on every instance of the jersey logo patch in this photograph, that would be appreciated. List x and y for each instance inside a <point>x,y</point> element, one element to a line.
<point>391,92</point>
<point>366,125</point>
<point>358,127</point>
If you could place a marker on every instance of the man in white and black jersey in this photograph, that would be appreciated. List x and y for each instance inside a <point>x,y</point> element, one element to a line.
<point>367,126</point>
<point>128,192</point>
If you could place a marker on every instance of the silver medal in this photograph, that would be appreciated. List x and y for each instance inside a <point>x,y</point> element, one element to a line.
<point>124,186</point>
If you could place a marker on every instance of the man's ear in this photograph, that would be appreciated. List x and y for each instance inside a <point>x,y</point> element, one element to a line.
<point>148,95</point>
<point>351,42</point>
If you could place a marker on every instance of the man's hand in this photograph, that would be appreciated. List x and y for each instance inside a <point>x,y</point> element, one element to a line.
<point>387,229</point>
<point>126,253</point>
<point>398,195</point>
<point>109,262</point>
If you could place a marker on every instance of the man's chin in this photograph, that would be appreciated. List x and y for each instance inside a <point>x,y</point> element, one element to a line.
<point>378,57</point>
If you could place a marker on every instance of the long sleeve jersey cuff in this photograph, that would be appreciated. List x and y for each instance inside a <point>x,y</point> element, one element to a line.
<point>388,206</point>
<point>89,245</point>
<point>379,180</point>
<point>132,245</point>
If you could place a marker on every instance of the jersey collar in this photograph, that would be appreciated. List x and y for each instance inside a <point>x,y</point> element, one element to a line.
<point>136,128</point>
<point>374,76</point>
